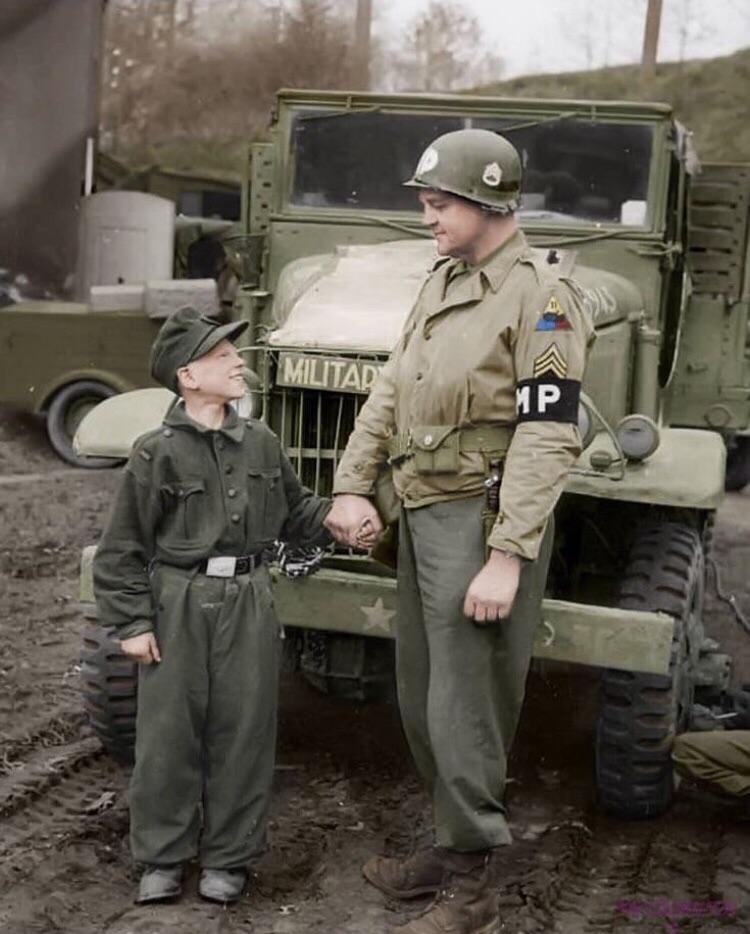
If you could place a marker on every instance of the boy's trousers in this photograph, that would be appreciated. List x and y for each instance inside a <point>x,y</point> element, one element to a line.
<point>461,685</point>
<point>206,725</point>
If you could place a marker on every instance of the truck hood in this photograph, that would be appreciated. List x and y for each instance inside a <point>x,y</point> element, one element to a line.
<point>358,298</point>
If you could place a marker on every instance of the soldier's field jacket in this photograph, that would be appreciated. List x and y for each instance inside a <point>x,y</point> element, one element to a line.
<point>501,344</point>
<point>190,493</point>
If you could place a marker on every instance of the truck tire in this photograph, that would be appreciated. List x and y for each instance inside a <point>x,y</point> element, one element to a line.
<point>737,475</point>
<point>67,408</point>
<point>110,692</point>
<point>641,713</point>
<point>347,666</point>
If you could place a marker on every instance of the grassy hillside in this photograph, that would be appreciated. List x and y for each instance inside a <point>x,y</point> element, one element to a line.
<point>711,97</point>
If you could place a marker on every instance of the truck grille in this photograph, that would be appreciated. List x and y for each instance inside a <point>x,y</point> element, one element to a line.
<point>313,426</point>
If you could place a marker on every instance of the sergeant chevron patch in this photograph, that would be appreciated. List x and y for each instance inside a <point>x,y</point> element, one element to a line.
<point>551,361</point>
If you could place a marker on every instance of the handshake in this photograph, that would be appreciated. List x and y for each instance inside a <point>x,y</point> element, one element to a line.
<point>354,521</point>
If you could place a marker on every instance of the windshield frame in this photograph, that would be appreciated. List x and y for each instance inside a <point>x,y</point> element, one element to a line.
<point>657,117</point>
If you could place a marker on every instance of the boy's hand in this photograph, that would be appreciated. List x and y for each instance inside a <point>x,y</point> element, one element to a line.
<point>367,535</point>
<point>142,648</point>
<point>347,516</point>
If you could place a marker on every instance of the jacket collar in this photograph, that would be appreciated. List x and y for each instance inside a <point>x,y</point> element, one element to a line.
<point>233,427</point>
<point>494,268</point>
<point>491,272</point>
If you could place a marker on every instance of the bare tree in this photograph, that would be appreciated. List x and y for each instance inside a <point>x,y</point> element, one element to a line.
<point>444,50</point>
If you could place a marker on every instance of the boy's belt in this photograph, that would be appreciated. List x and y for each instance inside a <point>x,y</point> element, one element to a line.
<point>229,566</point>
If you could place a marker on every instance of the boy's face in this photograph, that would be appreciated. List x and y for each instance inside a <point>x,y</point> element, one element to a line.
<point>217,375</point>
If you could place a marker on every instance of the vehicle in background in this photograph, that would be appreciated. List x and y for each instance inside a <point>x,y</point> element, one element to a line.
<point>614,197</point>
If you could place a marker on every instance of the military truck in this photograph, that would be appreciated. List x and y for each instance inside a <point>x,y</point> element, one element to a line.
<point>614,194</point>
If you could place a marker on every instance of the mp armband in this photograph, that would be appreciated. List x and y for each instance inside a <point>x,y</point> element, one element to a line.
<point>547,399</point>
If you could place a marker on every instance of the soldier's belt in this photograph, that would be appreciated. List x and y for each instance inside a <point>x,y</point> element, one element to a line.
<point>436,448</point>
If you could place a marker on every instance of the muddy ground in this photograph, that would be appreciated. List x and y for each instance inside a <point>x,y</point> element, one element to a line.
<point>344,786</point>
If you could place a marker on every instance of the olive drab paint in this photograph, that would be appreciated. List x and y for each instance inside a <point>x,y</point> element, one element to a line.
<point>664,350</point>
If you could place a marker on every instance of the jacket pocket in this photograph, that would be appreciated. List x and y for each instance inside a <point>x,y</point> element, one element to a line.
<point>186,499</point>
<point>266,500</point>
<point>435,449</point>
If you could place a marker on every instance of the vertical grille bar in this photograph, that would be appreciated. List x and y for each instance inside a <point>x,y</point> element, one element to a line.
<point>337,436</point>
<point>318,442</point>
<point>300,420</point>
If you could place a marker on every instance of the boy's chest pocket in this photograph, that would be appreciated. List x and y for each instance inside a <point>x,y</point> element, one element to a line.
<point>186,501</point>
<point>266,499</point>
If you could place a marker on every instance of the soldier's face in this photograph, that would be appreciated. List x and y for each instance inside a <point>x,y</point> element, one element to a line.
<point>217,374</point>
<point>456,225</point>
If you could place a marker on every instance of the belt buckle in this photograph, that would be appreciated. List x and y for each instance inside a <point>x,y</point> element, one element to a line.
<point>223,566</point>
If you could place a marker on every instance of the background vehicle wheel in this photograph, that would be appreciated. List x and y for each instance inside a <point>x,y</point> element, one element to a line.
<point>738,465</point>
<point>110,692</point>
<point>641,713</point>
<point>65,412</point>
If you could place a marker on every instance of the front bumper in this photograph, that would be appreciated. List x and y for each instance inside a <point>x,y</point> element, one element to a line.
<point>362,604</point>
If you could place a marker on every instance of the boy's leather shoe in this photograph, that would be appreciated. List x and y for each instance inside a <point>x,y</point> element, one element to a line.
<point>222,885</point>
<point>420,874</point>
<point>159,884</point>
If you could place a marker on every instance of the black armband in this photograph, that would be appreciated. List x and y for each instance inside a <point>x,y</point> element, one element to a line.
<point>547,399</point>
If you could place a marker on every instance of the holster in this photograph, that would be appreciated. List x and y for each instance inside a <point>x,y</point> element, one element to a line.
<point>388,506</point>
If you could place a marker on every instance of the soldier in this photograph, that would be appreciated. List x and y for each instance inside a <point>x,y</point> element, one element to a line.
<point>180,574</point>
<point>718,760</point>
<point>487,372</point>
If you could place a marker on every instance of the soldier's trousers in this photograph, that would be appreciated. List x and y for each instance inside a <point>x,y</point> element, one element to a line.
<point>206,725</point>
<point>460,685</point>
<point>720,758</point>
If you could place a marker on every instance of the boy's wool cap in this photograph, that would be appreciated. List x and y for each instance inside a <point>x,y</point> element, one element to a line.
<point>186,336</point>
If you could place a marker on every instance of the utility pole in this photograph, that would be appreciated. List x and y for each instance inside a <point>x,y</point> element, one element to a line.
<point>651,40</point>
<point>362,42</point>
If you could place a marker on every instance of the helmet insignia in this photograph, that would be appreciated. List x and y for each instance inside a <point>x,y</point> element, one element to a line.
<point>428,161</point>
<point>492,174</point>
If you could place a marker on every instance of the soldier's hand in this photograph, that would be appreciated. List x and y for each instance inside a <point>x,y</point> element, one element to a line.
<point>348,514</point>
<point>491,594</point>
<point>142,648</point>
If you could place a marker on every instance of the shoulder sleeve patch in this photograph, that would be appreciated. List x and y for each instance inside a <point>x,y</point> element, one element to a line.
<point>553,318</point>
<point>146,455</point>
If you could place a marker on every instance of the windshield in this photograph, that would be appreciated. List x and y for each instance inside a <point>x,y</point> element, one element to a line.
<point>574,169</point>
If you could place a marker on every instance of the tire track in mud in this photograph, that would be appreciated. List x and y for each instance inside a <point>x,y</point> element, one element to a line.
<point>55,728</point>
<point>62,794</point>
<point>618,877</point>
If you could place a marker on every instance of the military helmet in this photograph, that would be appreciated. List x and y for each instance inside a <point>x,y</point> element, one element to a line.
<point>478,165</point>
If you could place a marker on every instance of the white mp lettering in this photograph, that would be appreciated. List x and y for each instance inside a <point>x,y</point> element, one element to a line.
<point>523,399</point>
<point>548,395</point>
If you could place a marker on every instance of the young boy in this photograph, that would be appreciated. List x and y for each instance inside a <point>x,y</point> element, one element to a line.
<point>180,574</point>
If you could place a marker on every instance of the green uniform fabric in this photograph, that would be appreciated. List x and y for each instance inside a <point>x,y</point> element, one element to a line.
<point>206,726</point>
<point>461,685</point>
<point>190,493</point>
<point>720,758</point>
<point>205,733</point>
<point>474,336</point>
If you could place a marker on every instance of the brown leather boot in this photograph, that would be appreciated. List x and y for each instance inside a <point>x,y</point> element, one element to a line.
<point>420,874</point>
<point>467,902</point>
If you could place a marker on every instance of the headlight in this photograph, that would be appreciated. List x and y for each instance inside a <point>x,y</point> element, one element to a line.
<point>638,437</point>
<point>586,425</point>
